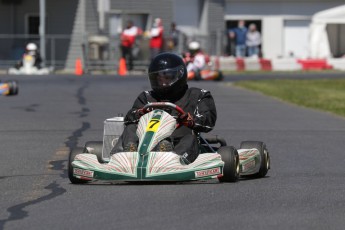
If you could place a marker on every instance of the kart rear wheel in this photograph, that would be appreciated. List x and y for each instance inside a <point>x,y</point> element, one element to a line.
<point>265,157</point>
<point>95,148</point>
<point>231,170</point>
<point>72,154</point>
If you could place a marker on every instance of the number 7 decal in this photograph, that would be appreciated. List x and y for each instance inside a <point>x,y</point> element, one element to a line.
<point>153,125</point>
<point>154,122</point>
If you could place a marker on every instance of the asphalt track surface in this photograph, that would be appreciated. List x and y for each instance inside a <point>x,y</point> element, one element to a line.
<point>305,188</point>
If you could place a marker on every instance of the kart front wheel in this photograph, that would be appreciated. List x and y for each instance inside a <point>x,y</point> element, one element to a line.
<point>231,170</point>
<point>220,76</point>
<point>72,154</point>
<point>197,75</point>
<point>265,164</point>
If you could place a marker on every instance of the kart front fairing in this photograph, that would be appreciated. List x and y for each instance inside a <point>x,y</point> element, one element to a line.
<point>29,67</point>
<point>147,164</point>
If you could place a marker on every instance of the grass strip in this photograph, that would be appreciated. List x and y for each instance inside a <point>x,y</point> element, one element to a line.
<point>322,94</point>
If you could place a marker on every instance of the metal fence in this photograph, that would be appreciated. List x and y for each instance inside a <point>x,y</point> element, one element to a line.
<point>212,44</point>
<point>96,56</point>
<point>12,47</point>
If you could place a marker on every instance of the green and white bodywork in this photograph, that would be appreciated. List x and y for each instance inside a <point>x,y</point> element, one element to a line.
<point>250,161</point>
<point>149,165</point>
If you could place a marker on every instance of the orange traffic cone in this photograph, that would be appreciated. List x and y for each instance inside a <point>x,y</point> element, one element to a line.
<point>122,67</point>
<point>78,67</point>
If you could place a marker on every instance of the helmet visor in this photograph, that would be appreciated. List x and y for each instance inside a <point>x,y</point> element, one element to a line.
<point>165,78</point>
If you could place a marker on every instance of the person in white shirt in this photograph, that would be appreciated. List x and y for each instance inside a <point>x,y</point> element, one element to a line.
<point>156,35</point>
<point>253,41</point>
<point>197,58</point>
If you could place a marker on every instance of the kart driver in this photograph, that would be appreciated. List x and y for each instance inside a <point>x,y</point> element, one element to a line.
<point>168,78</point>
<point>196,59</point>
<point>31,49</point>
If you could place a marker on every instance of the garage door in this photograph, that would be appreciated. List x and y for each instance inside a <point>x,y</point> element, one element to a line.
<point>296,36</point>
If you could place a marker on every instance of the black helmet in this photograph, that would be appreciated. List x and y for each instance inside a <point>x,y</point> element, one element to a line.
<point>168,76</point>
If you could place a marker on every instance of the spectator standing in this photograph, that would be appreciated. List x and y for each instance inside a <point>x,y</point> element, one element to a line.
<point>253,41</point>
<point>240,34</point>
<point>156,35</point>
<point>128,37</point>
<point>174,34</point>
<point>232,43</point>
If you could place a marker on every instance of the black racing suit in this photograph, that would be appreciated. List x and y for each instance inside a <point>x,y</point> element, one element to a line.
<point>198,102</point>
<point>36,55</point>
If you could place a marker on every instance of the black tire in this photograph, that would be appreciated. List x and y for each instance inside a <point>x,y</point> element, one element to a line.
<point>95,148</point>
<point>72,154</point>
<point>197,75</point>
<point>220,76</point>
<point>13,87</point>
<point>231,170</point>
<point>265,163</point>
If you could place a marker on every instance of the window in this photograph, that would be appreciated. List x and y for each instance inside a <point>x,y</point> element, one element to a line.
<point>32,24</point>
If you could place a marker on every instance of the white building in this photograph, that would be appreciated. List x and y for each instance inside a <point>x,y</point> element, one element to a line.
<point>284,24</point>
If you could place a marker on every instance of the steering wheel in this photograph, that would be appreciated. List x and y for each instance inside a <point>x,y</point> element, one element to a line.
<point>157,105</point>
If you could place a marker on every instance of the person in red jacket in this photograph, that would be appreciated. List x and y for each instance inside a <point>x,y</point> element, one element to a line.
<point>127,42</point>
<point>156,41</point>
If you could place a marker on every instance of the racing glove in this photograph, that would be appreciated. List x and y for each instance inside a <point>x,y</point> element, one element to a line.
<point>137,113</point>
<point>186,119</point>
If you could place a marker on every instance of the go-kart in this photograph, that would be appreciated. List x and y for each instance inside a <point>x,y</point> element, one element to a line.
<point>205,74</point>
<point>208,72</point>
<point>29,68</point>
<point>215,161</point>
<point>8,88</point>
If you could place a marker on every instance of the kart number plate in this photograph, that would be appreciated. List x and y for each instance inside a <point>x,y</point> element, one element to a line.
<point>153,125</point>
